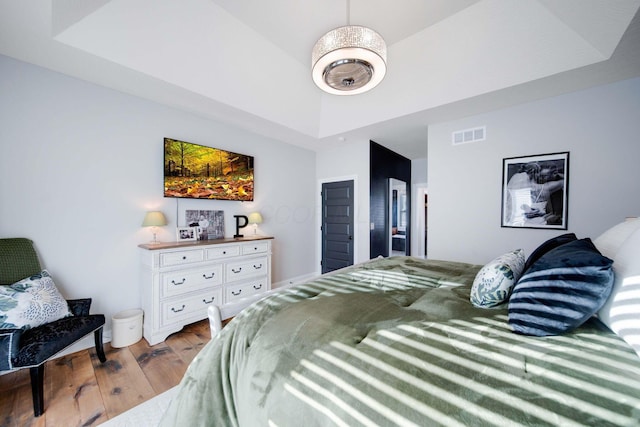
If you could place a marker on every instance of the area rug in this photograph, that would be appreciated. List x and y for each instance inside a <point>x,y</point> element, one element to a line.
<point>147,414</point>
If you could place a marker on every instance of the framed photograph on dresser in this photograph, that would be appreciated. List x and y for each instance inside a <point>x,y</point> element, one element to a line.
<point>535,191</point>
<point>210,224</point>
<point>185,234</point>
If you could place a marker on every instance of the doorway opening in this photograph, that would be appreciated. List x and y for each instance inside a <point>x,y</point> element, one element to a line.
<point>419,225</point>
<point>398,217</point>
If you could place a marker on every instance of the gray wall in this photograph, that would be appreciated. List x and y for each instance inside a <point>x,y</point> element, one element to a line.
<point>599,127</point>
<point>81,164</point>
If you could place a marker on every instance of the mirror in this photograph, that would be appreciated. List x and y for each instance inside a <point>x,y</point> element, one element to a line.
<point>398,215</point>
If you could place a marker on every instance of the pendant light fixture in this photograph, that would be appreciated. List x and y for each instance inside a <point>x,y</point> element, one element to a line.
<point>349,60</point>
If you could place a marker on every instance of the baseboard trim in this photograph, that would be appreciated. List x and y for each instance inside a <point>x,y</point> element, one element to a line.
<point>294,281</point>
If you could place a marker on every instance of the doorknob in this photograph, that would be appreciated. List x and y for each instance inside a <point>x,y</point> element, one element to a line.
<point>350,237</point>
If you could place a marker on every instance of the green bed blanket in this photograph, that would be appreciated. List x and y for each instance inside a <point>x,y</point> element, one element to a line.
<point>396,342</point>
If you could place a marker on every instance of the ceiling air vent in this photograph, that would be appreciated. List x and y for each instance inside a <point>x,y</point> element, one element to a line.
<point>469,135</point>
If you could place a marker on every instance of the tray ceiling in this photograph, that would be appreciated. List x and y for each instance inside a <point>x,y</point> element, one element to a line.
<point>247,62</point>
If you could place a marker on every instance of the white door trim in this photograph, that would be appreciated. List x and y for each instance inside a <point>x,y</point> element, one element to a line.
<point>418,226</point>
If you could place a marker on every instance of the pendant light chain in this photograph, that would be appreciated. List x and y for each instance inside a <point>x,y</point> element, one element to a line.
<point>348,12</point>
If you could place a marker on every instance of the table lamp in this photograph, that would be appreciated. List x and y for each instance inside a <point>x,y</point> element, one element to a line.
<point>154,219</point>
<point>255,218</point>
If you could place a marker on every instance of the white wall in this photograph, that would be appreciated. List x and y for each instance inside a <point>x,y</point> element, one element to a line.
<point>351,161</point>
<point>81,164</point>
<point>419,169</point>
<point>600,129</point>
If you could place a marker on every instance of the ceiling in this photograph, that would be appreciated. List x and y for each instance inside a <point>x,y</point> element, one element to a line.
<point>247,62</point>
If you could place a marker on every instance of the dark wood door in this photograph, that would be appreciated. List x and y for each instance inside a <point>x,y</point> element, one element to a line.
<point>337,225</point>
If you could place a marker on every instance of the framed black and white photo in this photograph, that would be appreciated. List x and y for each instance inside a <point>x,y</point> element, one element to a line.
<point>210,224</point>
<point>184,234</point>
<point>535,191</point>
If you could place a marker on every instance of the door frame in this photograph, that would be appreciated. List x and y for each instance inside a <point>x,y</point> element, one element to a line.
<point>321,181</point>
<point>408,219</point>
<point>419,226</point>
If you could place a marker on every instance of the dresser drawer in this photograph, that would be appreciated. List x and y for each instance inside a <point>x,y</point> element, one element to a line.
<point>180,282</point>
<point>255,248</point>
<point>248,268</point>
<point>194,307</point>
<point>221,252</point>
<point>237,292</point>
<point>169,259</point>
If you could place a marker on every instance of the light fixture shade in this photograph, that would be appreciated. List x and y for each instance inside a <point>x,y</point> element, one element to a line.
<point>154,219</point>
<point>255,218</point>
<point>349,60</point>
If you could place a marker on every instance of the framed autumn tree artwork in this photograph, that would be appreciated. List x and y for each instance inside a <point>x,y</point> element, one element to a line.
<point>201,172</point>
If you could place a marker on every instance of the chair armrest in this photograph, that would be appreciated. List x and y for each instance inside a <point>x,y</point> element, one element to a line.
<point>79,307</point>
<point>9,346</point>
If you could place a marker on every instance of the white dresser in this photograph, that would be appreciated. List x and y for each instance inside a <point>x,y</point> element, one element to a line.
<point>181,279</point>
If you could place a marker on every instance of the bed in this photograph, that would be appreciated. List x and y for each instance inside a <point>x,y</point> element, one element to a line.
<point>398,341</point>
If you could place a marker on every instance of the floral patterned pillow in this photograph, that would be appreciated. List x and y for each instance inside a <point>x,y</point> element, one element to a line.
<point>494,282</point>
<point>31,302</point>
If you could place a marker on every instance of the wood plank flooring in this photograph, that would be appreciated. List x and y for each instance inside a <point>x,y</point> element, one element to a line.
<point>80,391</point>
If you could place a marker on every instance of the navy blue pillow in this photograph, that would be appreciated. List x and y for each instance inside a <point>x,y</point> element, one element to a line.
<point>561,290</point>
<point>547,246</point>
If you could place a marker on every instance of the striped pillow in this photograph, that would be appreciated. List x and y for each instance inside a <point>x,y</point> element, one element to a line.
<point>561,290</point>
<point>547,246</point>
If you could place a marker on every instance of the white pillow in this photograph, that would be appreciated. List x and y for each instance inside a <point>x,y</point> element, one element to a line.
<point>621,312</point>
<point>494,282</point>
<point>611,240</point>
<point>31,302</point>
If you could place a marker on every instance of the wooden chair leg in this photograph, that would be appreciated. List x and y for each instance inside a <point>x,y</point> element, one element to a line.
<point>97,334</point>
<point>37,389</point>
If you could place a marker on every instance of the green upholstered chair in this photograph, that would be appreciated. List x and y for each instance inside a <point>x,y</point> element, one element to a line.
<point>32,347</point>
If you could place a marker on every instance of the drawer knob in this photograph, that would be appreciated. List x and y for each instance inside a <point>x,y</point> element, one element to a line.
<point>179,283</point>
<point>224,252</point>
<point>235,294</point>
<point>184,257</point>
<point>209,277</point>
<point>177,310</point>
<point>236,271</point>
<point>257,267</point>
<point>208,302</point>
<point>257,287</point>
<point>255,248</point>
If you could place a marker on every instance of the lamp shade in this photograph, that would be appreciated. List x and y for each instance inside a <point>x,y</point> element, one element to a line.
<point>349,60</point>
<point>154,219</point>
<point>255,218</point>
